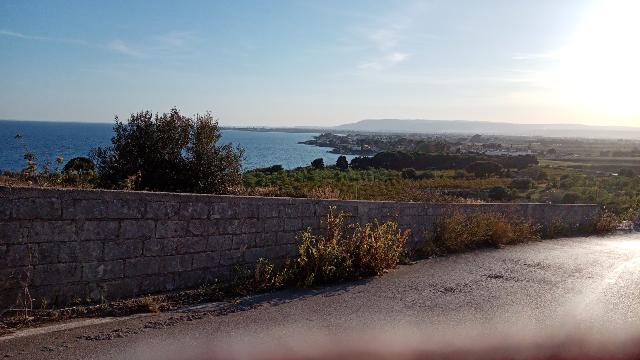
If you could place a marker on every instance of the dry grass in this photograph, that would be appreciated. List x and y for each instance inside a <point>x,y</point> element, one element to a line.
<point>462,232</point>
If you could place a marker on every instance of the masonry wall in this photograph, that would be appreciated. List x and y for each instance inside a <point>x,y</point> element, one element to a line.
<point>64,245</point>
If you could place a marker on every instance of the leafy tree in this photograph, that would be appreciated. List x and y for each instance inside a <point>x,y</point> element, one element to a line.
<point>361,163</point>
<point>318,163</point>
<point>169,152</point>
<point>485,168</point>
<point>342,163</point>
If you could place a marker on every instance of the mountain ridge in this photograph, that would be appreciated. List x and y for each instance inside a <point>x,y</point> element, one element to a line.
<point>491,128</point>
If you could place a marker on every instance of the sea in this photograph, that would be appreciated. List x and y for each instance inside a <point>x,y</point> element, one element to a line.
<point>49,139</point>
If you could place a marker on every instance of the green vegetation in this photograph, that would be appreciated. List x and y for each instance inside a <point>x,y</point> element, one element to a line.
<point>462,232</point>
<point>168,152</point>
<point>371,184</point>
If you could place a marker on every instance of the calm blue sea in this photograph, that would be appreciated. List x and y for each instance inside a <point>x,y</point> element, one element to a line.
<point>48,139</point>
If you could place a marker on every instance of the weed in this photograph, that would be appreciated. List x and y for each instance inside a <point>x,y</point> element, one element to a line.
<point>461,232</point>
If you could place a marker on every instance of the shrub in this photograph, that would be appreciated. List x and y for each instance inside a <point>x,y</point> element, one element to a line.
<point>499,193</point>
<point>342,163</point>
<point>606,222</point>
<point>460,232</point>
<point>428,175</point>
<point>409,173</point>
<point>168,152</point>
<point>347,251</point>
<point>270,170</point>
<point>522,184</point>
<point>485,168</point>
<point>570,198</point>
<point>318,163</point>
<point>79,165</point>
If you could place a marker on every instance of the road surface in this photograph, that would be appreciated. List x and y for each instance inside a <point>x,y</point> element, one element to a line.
<point>525,296</point>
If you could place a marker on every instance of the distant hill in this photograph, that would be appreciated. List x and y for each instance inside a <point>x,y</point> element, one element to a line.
<point>493,128</point>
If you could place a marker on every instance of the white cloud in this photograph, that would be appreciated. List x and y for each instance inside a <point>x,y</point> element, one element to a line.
<point>122,47</point>
<point>18,35</point>
<point>397,57</point>
<point>177,38</point>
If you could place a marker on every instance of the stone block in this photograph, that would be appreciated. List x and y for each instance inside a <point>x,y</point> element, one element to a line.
<point>230,226</point>
<point>221,211</point>
<point>175,263</point>
<point>157,283</point>
<point>56,274</point>
<point>219,242</point>
<point>190,279</point>
<point>162,210</point>
<point>141,266</point>
<point>49,231</point>
<point>126,209</point>
<point>36,208</point>
<point>252,255</point>
<point>198,227</point>
<point>293,224</point>
<point>85,209</point>
<point>193,210</point>
<point>82,251</point>
<point>273,224</point>
<point>13,256</point>
<point>136,229</point>
<point>231,257</point>
<point>269,211</point>
<point>251,226</point>
<point>206,260</point>
<point>171,228</point>
<point>120,288</point>
<point>103,270</point>
<point>123,249</point>
<point>191,245</point>
<point>243,241</point>
<point>47,253</point>
<point>98,229</point>
<point>287,238</point>
<point>10,233</point>
<point>159,247</point>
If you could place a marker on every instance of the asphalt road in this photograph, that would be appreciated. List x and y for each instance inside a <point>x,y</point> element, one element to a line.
<point>523,297</point>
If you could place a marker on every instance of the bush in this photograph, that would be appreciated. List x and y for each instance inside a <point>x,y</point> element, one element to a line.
<point>522,184</point>
<point>342,163</point>
<point>460,232</point>
<point>270,170</point>
<point>570,198</point>
<point>484,169</point>
<point>348,251</point>
<point>606,222</point>
<point>428,175</point>
<point>318,163</point>
<point>409,173</point>
<point>499,193</point>
<point>79,165</point>
<point>169,152</point>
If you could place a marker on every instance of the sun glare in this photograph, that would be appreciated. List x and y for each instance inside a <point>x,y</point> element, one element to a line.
<point>600,69</point>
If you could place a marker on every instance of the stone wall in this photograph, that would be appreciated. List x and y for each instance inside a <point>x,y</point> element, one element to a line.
<point>65,245</point>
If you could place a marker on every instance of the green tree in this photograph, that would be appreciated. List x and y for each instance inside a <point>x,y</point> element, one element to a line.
<point>318,163</point>
<point>168,152</point>
<point>342,163</point>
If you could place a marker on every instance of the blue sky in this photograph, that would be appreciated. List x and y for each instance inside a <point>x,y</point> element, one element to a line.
<point>285,63</point>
